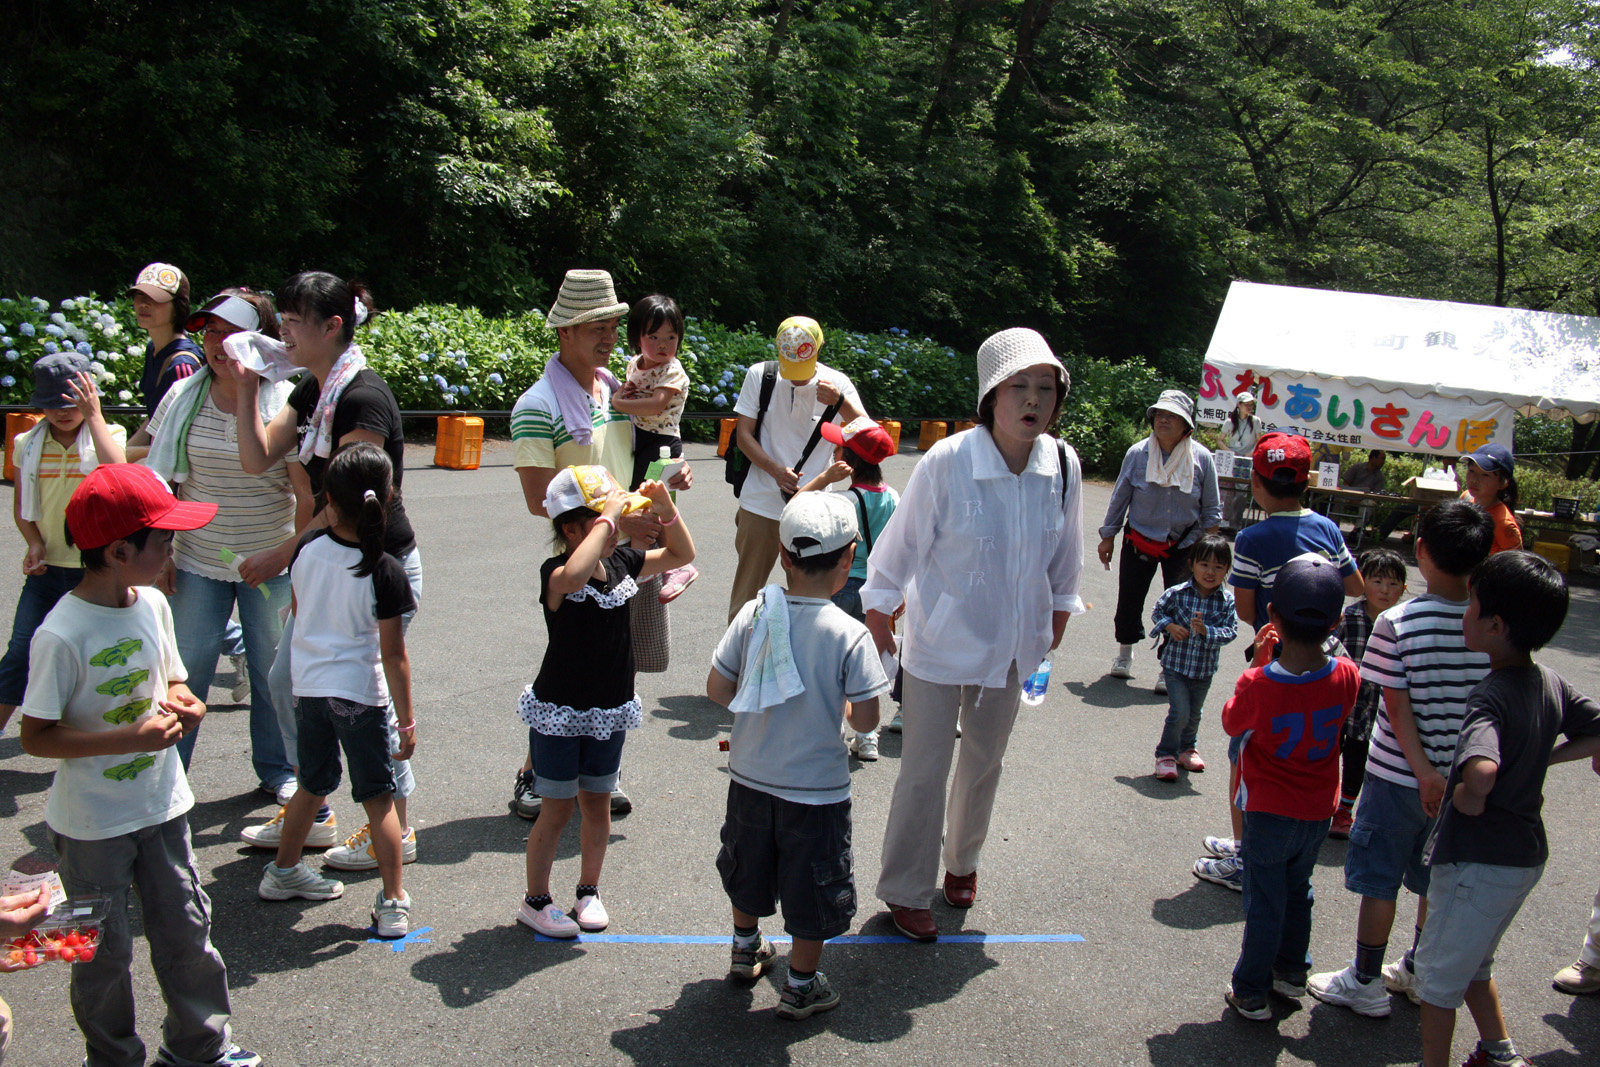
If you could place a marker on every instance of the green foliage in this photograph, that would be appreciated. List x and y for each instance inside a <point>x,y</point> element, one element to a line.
<point>104,332</point>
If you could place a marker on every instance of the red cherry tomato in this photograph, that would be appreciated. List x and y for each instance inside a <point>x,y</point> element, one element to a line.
<point>30,958</point>
<point>73,938</point>
<point>69,954</point>
<point>86,953</point>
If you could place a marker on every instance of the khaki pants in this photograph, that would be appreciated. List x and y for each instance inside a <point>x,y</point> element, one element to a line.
<point>919,810</point>
<point>755,540</point>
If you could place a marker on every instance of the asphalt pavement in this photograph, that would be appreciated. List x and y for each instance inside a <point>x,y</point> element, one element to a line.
<point>1084,843</point>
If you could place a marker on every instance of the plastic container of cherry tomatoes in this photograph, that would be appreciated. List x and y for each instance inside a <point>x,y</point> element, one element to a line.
<point>69,933</point>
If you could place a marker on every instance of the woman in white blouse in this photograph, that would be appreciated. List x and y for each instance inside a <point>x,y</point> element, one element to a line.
<point>1240,433</point>
<point>985,552</point>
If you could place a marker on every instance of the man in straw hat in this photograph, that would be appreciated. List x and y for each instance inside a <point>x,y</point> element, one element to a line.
<point>566,419</point>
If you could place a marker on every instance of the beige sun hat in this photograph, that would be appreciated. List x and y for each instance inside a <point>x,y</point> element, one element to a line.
<point>586,295</point>
<point>1010,351</point>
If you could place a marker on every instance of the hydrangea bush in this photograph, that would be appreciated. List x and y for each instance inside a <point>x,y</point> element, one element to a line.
<point>104,331</point>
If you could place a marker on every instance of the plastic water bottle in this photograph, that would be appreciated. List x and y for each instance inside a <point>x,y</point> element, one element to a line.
<point>1033,689</point>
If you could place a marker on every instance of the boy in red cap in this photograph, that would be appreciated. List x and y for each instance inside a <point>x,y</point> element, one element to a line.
<point>106,697</point>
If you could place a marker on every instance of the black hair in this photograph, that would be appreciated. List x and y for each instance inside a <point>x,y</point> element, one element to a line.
<point>821,563</point>
<point>1458,534</point>
<point>871,473</point>
<point>358,481</point>
<point>1281,489</point>
<point>1525,592</point>
<point>986,405</point>
<point>1376,453</point>
<point>1233,416</point>
<point>1301,632</point>
<point>1382,563</point>
<point>1212,547</point>
<point>559,523</point>
<point>319,295</point>
<point>650,314</point>
<point>180,313</point>
<point>94,559</point>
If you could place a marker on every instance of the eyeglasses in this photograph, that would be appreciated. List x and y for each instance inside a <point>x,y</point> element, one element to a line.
<point>220,331</point>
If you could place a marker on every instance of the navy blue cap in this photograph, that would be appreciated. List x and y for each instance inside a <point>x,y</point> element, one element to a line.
<point>1309,589</point>
<point>51,375</point>
<point>1496,459</point>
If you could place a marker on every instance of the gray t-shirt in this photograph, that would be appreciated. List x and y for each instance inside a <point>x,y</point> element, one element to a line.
<point>794,750</point>
<point>1513,717</point>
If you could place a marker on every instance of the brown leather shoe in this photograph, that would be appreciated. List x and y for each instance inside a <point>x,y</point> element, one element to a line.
<point>915,923</point>
<point>960,890</point>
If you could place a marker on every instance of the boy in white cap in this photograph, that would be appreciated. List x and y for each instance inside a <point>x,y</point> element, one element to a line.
<point>786,667</point>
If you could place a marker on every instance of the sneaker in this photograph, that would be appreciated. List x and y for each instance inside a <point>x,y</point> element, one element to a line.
<point>802,1002</point>
<point>524,801</point>
<point>750,962</point>
<point>1398,978</point>
<point>549,920</point>
<point>864,747</point>
<point>1160,688</point>
<point>1339,828</point>
<point>675,581</point>
<point>1579,978</point>
<point>241,679</point>
<point>356,853</point>
<point>1289,987</point>
<point>232,1056</point>
<point>620,804</point>
<point>590,915</point>
<point>286,791</point>
<point>894,724</point>
<point>1191,761</point>
<point>1221,847</point>
<point>1344,989</point>
<point>392,918</point>
<point>1254,1010</point>
<point>298,881</point>
<point>1166,769</point>
<point>1481,1058</point>
<point>1223,870</point>
<point>1122,666</point>
<point>323,834</point>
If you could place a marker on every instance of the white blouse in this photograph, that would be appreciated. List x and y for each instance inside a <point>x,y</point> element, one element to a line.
<point>981,557</point>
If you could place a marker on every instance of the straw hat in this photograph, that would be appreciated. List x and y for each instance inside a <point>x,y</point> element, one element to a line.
<point>586,295</point>
<point>1010,351</point>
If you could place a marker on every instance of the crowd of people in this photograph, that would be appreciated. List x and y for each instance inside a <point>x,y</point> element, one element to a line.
<point>1419,729</point>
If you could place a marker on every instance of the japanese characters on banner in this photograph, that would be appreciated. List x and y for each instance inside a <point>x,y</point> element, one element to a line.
<point>1333,411</point>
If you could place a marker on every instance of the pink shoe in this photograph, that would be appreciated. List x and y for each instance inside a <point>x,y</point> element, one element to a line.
<point>1190,760</point>
<point>1166,769</point>
<point>675,581</point>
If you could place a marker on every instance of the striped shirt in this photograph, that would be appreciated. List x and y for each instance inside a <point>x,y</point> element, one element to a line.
<point>1418,646</point>
<point>1260,551</point>
<point>540,439</point>
<point>255,512</point>
<point>58,477</point>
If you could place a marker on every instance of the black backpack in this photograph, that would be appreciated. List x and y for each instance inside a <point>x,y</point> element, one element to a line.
<point>736,464</point>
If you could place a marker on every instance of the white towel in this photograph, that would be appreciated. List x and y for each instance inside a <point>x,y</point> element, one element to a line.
<point>768,676</point>
<point>1177,471</point>
<point>29,450</point>
<point>262,354</point>
<point>169,456</point>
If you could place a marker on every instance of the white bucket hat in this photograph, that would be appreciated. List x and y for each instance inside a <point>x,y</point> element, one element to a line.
<point>586,295</point>
<point>1010,351</point>
<point>1175,401</point>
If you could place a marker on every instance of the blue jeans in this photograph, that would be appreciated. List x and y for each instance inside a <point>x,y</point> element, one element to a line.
<point>1279,855</point>
<point>848,599</point>
<point>39,594</point>
<point>201,608</point>
<point>1186,699</point>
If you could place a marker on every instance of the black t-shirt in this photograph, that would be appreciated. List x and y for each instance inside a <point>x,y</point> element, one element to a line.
<point>1513,717</point>
<point>366,404</point>
<point>154,382</point>
<point>588,660</point>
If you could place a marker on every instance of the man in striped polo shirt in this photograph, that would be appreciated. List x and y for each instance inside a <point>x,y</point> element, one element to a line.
<point>1419,657</point>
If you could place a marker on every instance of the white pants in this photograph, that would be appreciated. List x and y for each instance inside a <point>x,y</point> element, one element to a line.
<point>1591,944</point>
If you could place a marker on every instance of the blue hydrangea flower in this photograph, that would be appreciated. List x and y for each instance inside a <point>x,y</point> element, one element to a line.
<point>55,331</point>
<point>873,373</point>
<point>496,379</point>
<point>51,348</point>
<point>11,354</point>
<point>720,400</point>
<point>84,347</point>
<point>59,319</point>
<point>26,329</point>
<point>8,381</point>
<point>67,305</point>
<point>440,382</point>
<point>424,356</point>
<point>466,390</point>
<point>5,341</point>
<point>449,400</point>
<point>39,305</point>
<point>461,361</point>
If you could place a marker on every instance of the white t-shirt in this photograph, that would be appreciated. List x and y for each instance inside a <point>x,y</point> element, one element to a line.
<point>792,413</point>
<point>794,750</point>
<point>335,649</point>
<point>93,669</point>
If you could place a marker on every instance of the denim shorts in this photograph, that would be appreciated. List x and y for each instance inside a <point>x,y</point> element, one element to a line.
<point>328,724</point>
<point>775,850</point>
<point>564,765</point>
<point>1386,841</point>
<point>1470,907</point>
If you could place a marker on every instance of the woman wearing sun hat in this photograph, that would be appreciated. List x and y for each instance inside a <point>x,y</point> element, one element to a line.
<point>985,551</point>
<point>1166,497</point>
<point>161,303</point>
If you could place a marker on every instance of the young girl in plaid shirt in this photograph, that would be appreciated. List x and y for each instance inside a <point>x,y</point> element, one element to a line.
<point>1194,620</point>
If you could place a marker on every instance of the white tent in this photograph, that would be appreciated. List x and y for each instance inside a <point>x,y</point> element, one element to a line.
<point>1393,372</point>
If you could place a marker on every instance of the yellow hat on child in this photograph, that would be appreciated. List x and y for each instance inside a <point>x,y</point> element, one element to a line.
<point>586,487</point>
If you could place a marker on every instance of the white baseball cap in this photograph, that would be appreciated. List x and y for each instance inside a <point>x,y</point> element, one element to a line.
<point>816,523</point>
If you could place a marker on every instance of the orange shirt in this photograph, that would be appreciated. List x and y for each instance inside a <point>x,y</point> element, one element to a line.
<point>1507,534</point>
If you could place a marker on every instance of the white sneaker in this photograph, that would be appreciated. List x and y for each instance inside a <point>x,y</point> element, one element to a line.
<point>590,915</point>
<point>269,834</point>
<point>356,853</point>
<point>1122,666</point>
<point>1160,686</point>
<point>241,679</point>
<point>1222,847</point>
<point>1346,990</point>
<point>1398,978</point>
<point>865,747</point>
<point>392,918</point>
<point>549,920</point>
<point>286,791</point>
<point>298,881</point>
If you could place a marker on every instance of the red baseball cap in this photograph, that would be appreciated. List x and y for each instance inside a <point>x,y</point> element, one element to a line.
<point>120,499</point>
<point>1283,457</point>
<point>863,437</point>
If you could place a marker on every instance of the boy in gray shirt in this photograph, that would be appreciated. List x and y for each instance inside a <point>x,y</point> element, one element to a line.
<point>789,667</point>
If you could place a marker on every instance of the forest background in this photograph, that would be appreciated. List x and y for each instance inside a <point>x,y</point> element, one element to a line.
<point>1096,169</point>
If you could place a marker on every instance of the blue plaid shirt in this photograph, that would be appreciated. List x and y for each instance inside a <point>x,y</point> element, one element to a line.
<point>1196,656</point>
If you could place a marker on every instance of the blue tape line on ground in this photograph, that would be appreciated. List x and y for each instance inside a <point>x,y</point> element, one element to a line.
<point>848,939</point>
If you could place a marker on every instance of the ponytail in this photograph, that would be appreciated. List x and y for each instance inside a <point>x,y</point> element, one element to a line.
<point>358,482</point>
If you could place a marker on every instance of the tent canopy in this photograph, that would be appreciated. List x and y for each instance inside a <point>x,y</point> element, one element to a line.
<point>1535,362</point>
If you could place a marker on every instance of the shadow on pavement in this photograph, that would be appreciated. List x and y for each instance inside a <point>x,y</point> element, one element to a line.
<point>484,962</point>
<point>14,784</point>
<point>702,718</point>
<point>1199,907</point>
<point>269,943</point>
<point>458,840</point>
<point>1334,1038</point>
<point>1578,1024</point>
<point>1109,692</point>
<point>1146,785</point>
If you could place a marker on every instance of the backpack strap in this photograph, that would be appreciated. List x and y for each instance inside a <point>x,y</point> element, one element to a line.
<point>1061,451</point>
<point>816,433</point>
<point>866,527</point>
<point>769,382</point>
